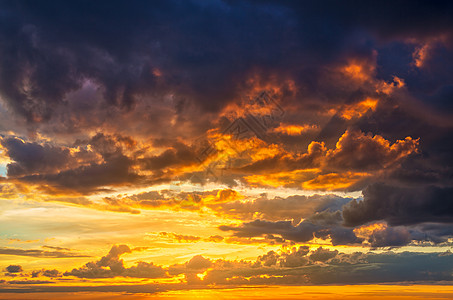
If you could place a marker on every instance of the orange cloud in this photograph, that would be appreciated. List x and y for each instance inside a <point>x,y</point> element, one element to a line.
<point>225,195</point>
<point>359,71</point>
<point>280,179</point>
<point>358,151</point>
<point>334,181</point>
<point>420,54</point>
<point>356,110</point>
<point>290,129</point>
<point>390,87</point>
<point>356,156</point>
<point>366,231</point>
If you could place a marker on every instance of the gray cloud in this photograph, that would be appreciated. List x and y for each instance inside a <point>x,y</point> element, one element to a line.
<point>400,205</point>
<point>303,232</point>
<point>292,207</point>
<point>14,269</point>
<point>38,253</point>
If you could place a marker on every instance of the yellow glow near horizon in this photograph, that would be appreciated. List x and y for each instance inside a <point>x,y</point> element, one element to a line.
<point>325,292</point>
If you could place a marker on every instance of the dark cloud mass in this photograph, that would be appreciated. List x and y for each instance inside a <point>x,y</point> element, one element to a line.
<point>50,49</point>
<point>401,206</point>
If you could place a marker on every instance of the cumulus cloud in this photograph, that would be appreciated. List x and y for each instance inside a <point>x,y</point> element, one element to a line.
<point>357,151</point>
<point>14,269</point>
<point>323,255</point>
<point>111,265</point>
<point>355,158</point>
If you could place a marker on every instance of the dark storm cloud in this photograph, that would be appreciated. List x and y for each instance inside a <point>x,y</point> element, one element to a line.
<point>115,171</point>
<point>36,158</point>
<point>90,164</point>
<point>49,49</point>
<point>53,47</point>
<point>33,158</point>
<point>401,206</point>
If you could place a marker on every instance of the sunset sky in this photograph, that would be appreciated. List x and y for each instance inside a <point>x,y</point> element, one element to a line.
<point>226,149</point>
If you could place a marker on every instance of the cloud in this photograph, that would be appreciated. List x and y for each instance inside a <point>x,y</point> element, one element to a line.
<point>31,158</point>
<point>400,205</point>
<point>14,269</point>
<point>181,238</point>
<point>85,167</point>
<point>301,265</point>
<point>179,155</point>
<point>38,253</point>
<point>198,262</point>
<point>303,232</point>
<point>323,255</point>
<point>111,266</point>
<point>46,273</point>
<point>293,207</point>
<point>357,151</point>
<point>321,266</point>
<point>355,159</point>
<point>336,181</point>
<point>295,258</point>
<point>25,282</point>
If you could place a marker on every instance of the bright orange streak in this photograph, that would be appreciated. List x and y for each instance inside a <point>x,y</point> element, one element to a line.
<point>366,231</point>
<point>333,181</point>
<point>294,129</point>
<point>359,109</point>
<point>281,179</point>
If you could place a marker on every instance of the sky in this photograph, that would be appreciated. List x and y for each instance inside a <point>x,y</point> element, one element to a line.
<point>226,149</point>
